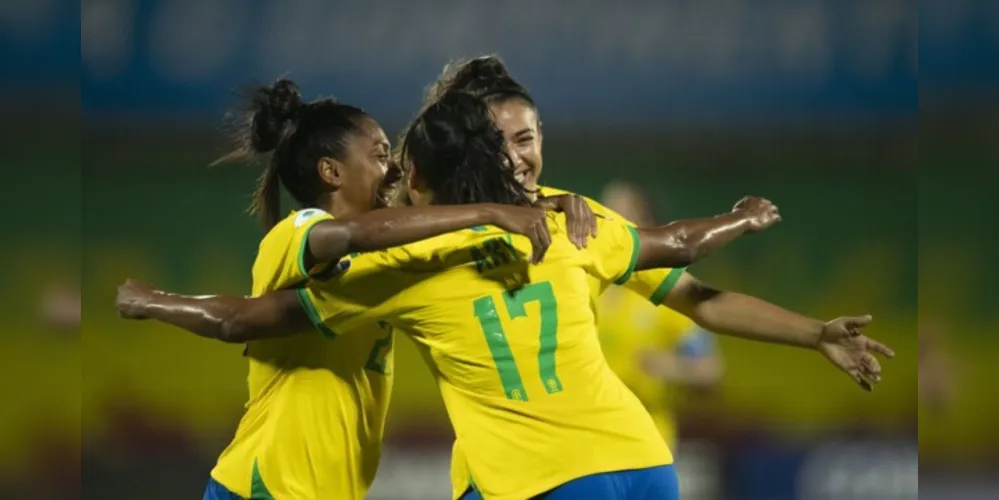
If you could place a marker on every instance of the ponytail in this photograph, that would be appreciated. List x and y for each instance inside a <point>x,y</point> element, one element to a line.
<point>276,120</point>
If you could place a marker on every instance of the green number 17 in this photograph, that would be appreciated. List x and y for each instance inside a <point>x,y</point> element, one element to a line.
<point>485,311</point>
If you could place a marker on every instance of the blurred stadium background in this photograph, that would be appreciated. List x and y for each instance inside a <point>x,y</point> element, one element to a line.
<point>810,103</point>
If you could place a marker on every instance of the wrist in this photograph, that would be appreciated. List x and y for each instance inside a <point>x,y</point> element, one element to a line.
<point>154,300</point>
<point>487,214</point>
<point>550,203</point>
<point>738,219</point>
<point>814,338</point>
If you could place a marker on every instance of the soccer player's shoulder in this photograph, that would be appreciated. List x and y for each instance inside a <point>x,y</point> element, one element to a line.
<point>282,245</point>
<point>594,205</point>
<point>298,221</point>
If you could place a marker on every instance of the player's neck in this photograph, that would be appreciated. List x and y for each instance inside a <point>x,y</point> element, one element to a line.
<point>335,205</point>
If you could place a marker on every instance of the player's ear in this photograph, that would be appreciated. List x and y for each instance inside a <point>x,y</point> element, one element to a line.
<point>416,190</point>
<point>331,172</point>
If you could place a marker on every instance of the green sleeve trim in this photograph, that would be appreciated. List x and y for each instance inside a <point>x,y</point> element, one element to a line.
<point>667,284</point>
<point>635,245</point>
<point>313,313</point>
<point>305,244</point>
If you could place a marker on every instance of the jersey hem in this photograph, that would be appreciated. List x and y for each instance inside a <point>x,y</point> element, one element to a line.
<point>226,485</point>
<point>580,473</point>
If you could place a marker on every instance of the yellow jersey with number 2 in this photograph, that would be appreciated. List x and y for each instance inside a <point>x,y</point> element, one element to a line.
<point>513,347</point>
<point>315,418</point>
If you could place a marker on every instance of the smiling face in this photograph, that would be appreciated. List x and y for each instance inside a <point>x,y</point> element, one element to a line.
<point>518,120</point>
<point>358,175</point>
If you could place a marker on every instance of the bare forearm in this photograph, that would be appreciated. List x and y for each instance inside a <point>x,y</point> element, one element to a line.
<point>381,229</point>
<point>206,316</point>
<point>739,315</point>
<point>747,317</point>
<point>225,318</point>
<point>681,243</point>
<point>389,227</point>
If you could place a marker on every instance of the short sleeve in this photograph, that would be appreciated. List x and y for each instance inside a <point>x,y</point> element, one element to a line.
<point>365,293</point>
<point>612,255</point>
<point>653,284</point>
<point>280,260</point>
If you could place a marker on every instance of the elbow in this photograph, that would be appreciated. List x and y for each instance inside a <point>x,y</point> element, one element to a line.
<point>689,249</point>
<point>679,250</point>
<point>685,256</point>
<point>233,331</point>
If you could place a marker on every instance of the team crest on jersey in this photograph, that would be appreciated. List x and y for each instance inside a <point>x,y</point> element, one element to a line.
<point>305,215</point>
<point>334,270</point>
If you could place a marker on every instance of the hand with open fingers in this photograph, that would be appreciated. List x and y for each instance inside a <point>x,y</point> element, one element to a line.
<point>843,344</point>
<point>526,221</point>
<point>133,299</point>
<point>579,217</point>
<point>760,212</point>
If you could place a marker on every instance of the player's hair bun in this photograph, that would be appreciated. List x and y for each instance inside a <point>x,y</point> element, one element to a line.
<point>486,68</point>
<point>479,74</point>
<point>275,108</point>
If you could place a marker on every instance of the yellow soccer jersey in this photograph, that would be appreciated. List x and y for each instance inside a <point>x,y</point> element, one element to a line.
<point>513,347</point>
<point>654,284</point>
<point>629,327</point>
<point>315,419</point>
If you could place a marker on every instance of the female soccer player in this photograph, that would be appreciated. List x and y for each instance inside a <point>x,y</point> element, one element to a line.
<point>331,158</point>
<point>304,394</point>
<point>533,403</point>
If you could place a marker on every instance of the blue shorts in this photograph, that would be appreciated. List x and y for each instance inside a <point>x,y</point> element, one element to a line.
<point>654,483</point>
<point>215,491</point>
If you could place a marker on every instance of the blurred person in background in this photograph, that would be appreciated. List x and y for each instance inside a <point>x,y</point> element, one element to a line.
<point>936,375</point>
<point>651,347</point>
<point>60,307</point>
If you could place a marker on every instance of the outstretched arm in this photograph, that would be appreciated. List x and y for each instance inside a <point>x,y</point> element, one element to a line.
<point>226,318</point>
<point>334,239</point>
<point>681,243</point>
<point>739,315</point>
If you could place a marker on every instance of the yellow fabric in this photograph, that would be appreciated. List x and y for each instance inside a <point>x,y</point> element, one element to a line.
<point>652,283</point>
<point>629,327</point>
<point>315,419</point>
<point>531,398</point>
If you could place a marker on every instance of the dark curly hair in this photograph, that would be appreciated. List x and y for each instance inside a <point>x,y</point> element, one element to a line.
<point>299,133</point>
<point>485,77</point>
<point>455,149</point>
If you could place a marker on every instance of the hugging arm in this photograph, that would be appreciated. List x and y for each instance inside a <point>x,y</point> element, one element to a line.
<point>226,318</point>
